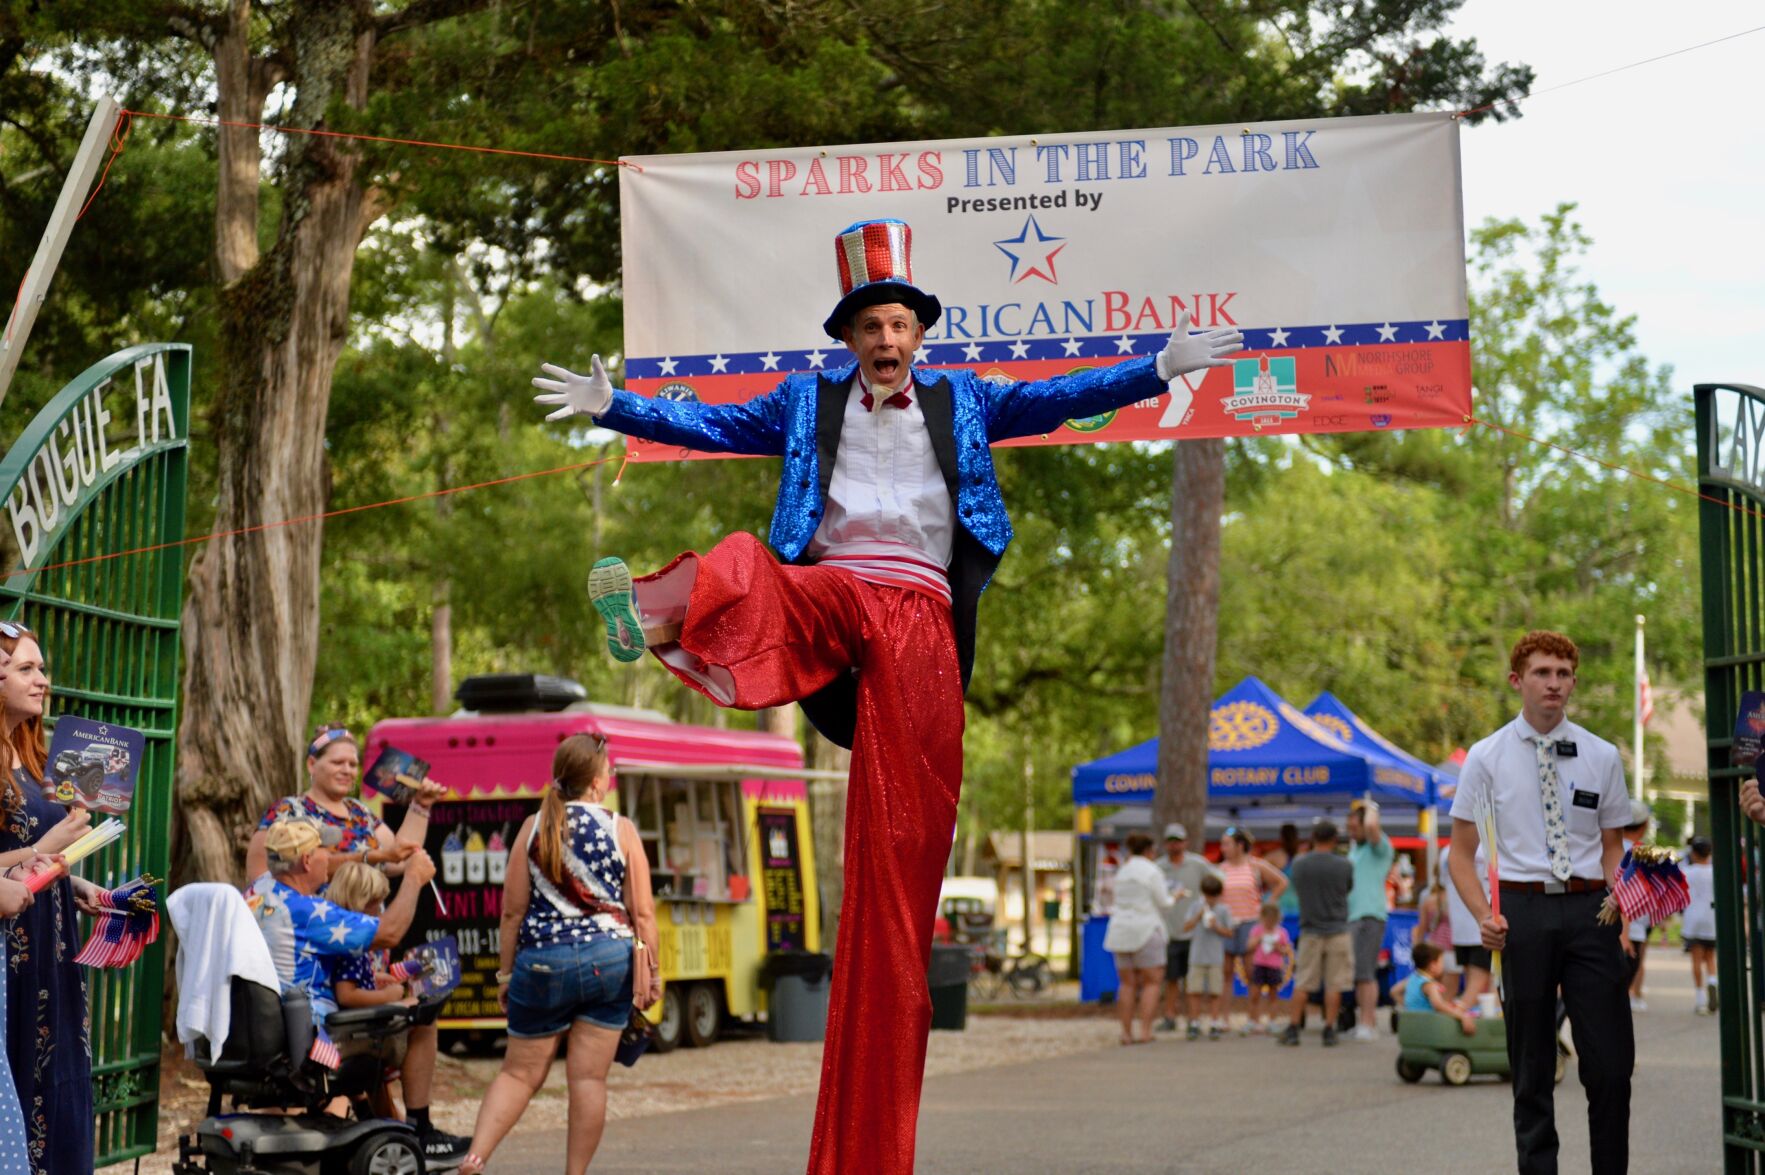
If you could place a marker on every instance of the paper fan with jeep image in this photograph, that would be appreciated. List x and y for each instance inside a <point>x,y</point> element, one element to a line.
<point>93,764</point>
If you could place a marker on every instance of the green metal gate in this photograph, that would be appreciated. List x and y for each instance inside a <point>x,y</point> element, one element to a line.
<point>102,470</point>
<point>1731,476</point>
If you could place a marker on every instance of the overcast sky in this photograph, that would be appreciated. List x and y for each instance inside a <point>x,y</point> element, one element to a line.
<point>1666,160</point>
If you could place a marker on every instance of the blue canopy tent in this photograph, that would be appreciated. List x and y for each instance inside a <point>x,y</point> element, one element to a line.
<point>1395,766</point>
<point>1259,746</point>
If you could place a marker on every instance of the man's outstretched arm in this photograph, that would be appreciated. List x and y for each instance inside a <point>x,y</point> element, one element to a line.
<point>1031,407</point>
<point>755,427</point>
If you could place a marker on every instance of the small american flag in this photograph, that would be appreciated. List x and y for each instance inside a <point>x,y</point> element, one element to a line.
<point>1650,885</point>
<point>324,1051</point>
<point>128,926</point>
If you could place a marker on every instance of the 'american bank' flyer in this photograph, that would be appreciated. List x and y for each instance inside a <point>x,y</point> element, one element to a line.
<point>1335,245</point>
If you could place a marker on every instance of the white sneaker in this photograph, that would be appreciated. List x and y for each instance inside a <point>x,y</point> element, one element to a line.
<point>1365,1032</point>
<point>1638,1004</point>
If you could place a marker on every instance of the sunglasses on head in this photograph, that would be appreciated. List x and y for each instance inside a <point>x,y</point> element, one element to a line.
<point>14,630</point>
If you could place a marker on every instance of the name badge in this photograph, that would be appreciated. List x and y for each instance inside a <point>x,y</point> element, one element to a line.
<point>1585,799</point>
<point>1565,749</point>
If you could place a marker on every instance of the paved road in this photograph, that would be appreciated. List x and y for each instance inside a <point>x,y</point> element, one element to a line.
<point>1232,1106</point>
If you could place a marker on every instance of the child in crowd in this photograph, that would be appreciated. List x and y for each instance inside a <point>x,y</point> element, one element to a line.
<point>1424,991</point>
<point>369,980</point>
<point>1271,962</point>
<point>1207,958</point>
<point>1698,925</point>
<point>364,980</point>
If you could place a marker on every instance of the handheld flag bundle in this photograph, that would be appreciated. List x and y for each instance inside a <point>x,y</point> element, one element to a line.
<point>128,926</point>
<point>1650,885</point>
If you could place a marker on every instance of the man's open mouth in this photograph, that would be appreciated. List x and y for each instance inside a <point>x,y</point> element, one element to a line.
<point>887,367</point>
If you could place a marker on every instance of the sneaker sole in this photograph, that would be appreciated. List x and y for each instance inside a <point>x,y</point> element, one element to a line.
<point>609,590</point>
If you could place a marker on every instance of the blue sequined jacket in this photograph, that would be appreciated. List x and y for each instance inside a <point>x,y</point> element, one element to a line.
<point>800,420</point>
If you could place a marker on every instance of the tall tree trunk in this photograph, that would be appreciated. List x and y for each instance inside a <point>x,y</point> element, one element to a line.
<point>1191,628</point>
<point>251,618</point>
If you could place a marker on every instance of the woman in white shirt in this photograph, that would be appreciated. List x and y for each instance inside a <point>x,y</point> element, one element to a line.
<point>1136,937</point>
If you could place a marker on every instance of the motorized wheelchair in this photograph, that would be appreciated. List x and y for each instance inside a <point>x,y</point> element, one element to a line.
<point>264,1065</point>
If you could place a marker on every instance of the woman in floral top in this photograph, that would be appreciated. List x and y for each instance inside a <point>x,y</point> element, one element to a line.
<point>349,829</point>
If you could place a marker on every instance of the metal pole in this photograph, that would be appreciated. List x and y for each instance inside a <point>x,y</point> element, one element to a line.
<point>61,226</point>
<point>1636,763</point>
<point>1029,863</point>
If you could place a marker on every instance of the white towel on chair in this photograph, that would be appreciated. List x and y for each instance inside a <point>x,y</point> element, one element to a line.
<point>217,939</point>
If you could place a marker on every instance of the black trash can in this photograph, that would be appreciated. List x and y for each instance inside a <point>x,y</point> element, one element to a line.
<point>948,979</point>
<point>797,984</point>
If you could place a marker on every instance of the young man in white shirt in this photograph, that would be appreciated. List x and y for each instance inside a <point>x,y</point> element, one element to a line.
<point>890,511</point>
<point>1560,807</point>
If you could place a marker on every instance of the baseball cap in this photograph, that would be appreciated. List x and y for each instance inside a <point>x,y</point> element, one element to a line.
<point>1639,813</point>
<point>1175,831</point>
<point>289,839</point>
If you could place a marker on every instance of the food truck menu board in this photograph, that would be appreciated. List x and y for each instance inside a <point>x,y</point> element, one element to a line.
<point>781,872</point>
<point>470,842</point>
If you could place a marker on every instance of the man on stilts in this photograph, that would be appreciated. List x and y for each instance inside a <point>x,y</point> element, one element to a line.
<point>890,523</point>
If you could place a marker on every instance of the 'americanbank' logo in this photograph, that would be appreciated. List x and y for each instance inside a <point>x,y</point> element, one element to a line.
<point>1265,391</point>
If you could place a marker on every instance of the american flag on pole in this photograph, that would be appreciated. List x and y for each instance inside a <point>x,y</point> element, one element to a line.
<point>324,1050</point>
<point>1645,700</point>
<point>128,926</point>
<point>1650,885</point>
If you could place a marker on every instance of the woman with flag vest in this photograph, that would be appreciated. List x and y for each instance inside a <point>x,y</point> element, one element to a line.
<point>889,524</point>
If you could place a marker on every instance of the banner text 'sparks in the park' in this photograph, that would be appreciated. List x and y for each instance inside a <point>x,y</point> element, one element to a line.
<point>1336,245</point>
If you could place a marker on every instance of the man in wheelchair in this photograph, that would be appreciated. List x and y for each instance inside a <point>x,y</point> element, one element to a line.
<point>293,1051</point>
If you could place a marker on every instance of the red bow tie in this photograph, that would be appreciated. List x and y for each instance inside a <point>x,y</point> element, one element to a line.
<point>898,400</point>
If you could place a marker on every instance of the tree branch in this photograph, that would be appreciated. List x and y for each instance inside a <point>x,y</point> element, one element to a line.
<point>421,13</point>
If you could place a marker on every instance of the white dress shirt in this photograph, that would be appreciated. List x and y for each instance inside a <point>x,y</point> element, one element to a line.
<point>1140,892</point>
<point>889,517</point>
<point>1504,767</point>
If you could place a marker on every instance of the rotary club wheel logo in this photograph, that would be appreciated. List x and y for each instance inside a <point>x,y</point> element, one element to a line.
<point>1335,726</point>
<point>1240,726</point>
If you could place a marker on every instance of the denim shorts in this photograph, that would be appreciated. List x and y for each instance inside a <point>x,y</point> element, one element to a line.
<point>554,985</point>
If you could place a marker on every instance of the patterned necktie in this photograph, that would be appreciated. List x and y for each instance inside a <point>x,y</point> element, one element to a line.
<point>1556,832</point>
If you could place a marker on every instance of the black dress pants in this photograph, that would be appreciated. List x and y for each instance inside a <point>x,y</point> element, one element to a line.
<point>1555,942</point>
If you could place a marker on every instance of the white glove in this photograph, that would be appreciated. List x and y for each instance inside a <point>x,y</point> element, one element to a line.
<point>580,395</point>
<point>1186,351</point>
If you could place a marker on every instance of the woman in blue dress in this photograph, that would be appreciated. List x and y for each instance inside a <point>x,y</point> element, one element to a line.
<point>48,1046</point>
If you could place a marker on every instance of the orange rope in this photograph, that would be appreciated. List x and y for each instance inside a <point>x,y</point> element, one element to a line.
<point>295,130</point>
<point>227,534</point>
<point>119,134</point>
<point>1615,467</point>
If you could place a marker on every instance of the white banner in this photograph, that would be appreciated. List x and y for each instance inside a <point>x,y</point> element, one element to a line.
<point>1337,245</point>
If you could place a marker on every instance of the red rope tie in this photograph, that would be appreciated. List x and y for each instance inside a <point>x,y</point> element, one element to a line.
<point>119,134</point>
<point>295,130</point>
<point>262,526</point>
<point>16,299</point>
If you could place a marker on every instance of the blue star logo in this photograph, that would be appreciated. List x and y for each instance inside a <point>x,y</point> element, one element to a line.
<point>1032,242</point>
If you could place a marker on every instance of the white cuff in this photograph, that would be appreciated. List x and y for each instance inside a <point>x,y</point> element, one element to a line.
<point>1158,366</point>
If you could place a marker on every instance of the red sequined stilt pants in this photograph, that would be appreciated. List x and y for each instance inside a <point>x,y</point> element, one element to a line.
<point>755,634</point>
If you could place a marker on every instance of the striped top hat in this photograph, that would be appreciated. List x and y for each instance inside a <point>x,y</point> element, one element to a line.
<point>875,260</point>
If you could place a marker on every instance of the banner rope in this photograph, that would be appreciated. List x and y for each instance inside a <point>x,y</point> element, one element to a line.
<point>624,460</point>
<point>1615,467</point>
<point>1609,72</point>
<point>192,540</point>
<point>435,145</point>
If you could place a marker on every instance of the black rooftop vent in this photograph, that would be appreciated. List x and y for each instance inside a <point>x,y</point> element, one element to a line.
<point>509,693</point>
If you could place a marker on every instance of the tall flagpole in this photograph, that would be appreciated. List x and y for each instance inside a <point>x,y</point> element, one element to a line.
<point>1636,717</point>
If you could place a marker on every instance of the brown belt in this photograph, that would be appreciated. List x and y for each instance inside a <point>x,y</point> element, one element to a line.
<point>1573,885</point>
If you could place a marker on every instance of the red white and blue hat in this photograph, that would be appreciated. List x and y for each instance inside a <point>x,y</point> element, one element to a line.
<point>875,258</point>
